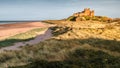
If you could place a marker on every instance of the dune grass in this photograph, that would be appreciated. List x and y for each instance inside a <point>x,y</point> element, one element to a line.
<point>21,37</point>
<point>69,48</point>
<point>57,53</point>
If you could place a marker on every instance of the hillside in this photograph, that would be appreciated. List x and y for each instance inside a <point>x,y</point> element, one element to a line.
<point>75,44</point>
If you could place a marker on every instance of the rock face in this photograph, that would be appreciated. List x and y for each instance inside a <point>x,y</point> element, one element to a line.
<point>86,12</point>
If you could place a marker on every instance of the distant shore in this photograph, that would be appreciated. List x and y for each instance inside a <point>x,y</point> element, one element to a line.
<point>17,21</point>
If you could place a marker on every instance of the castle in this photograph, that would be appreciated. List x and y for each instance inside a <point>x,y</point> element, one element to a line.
<point>86,12</point>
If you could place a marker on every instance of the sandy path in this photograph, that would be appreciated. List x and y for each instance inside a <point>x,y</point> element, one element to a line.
<point>43,36</point>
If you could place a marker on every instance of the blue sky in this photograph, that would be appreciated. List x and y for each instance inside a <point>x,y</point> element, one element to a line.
<point>54,9</point>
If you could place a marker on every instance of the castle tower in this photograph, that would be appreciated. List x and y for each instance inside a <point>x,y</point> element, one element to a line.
<point>92,13</point>
<point>87,11</point>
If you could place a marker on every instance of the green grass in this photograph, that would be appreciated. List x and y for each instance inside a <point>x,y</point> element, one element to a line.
<point>77,59</point>
<point>71,18</point>
<point>21,37</point>
<point>59,54</point>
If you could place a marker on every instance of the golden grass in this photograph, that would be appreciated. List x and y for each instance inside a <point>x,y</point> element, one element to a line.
<point>69,48</point>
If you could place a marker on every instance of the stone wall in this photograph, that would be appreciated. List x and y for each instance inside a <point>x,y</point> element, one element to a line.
<point>86,12</point>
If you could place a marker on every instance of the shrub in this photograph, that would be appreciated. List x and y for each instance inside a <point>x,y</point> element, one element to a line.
<point>71,18</point>
<point>87,17</point>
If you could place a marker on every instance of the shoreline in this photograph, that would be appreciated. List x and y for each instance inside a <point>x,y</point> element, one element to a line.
<point>13,22</point>
<point>7,30</point>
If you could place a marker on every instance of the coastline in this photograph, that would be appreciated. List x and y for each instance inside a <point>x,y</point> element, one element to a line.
<point>7,30</point>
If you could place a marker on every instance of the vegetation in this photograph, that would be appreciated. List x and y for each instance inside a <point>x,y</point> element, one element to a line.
<point>90,43</point>
<point>60,54</point>
<point>54,21</point>
<point>69,48</point>
<point>21,37</point>
<point>71,18</point>
<point>86,18</point>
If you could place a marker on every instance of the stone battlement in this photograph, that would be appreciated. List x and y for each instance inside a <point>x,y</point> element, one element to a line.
<point>86,12</point>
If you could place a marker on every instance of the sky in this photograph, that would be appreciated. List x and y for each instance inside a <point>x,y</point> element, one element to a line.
<point>55,9</point>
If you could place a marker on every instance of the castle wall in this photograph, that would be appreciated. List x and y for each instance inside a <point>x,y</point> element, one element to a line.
<point>86,12</point>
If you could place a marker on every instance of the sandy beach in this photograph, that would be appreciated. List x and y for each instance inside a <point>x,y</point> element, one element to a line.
<point>7,30</point>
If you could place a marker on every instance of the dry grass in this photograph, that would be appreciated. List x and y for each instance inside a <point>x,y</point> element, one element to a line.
<point>69,48</point>
<point>21,37</point>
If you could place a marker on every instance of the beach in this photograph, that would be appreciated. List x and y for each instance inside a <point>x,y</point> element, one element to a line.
<point>7,30</point>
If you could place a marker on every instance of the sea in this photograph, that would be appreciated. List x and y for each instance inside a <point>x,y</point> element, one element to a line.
<point>6,22</point>
<point>11,22</point>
